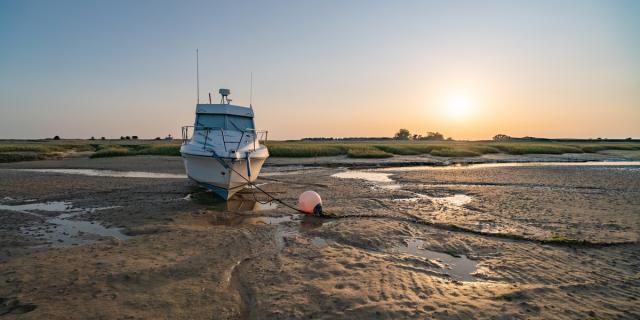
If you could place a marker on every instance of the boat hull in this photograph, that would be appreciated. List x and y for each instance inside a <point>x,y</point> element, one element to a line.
<point>210,173</point>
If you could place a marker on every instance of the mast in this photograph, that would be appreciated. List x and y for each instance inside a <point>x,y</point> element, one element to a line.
<point>197,76</point>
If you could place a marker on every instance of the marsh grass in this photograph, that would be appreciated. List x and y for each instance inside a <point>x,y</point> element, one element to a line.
<point>367,152</point>
<point>441,149</point>
<point>111,152</point>
<point>592,148</point>
<point>536,148</point>
<point>363,149</point>
<point>43,148</point>
<point>105,151</point>
<point>454,152</point>
<point>405,149</point>
<point>300,150</point>
<point>161,150</point>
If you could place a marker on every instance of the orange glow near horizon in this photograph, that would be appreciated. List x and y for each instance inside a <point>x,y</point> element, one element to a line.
<point>469,71</point>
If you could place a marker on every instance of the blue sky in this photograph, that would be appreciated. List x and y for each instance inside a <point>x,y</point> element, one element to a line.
<point>323,68</point>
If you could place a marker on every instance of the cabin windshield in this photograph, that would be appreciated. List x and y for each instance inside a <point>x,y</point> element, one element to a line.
<point>224,121</point>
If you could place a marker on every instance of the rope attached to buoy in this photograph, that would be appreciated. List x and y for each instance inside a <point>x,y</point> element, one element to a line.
<point>317,210</point>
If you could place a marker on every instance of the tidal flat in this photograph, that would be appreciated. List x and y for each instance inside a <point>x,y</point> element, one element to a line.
<point>131,237</point>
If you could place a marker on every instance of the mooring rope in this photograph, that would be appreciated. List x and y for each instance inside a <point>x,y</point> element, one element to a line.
<point>273,198</point>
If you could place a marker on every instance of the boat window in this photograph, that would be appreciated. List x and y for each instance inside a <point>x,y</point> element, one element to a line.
<point>239,123</point>
<point>210,120</point>
<point>228,122</point>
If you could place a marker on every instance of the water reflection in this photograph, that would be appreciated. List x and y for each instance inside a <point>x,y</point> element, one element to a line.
<point>62,230</point>
<point>379,179</point>
<point>631,164</point>
<point>236,204</point>
<point>459,268</point>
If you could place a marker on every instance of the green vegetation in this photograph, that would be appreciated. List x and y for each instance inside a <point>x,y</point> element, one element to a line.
<point>283,149</point>
<point>365,149</point>
<point>104,151</point>
<point>406,148</point>
<point>454,152</point>
<point>592,148</point>
<point>41,149</point>
<point>535,148</point>
<point>367,152</point>
<point>14,152</point>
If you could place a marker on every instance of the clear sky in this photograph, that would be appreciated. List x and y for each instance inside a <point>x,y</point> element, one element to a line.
<point>469,69</point>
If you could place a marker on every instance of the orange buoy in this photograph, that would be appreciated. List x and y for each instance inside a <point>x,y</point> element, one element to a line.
<point>310,202</point>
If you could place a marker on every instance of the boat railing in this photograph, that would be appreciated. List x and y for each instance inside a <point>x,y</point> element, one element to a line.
<point>189,131</point>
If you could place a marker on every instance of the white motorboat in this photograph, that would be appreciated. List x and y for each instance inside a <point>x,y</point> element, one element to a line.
<point>222,150</point>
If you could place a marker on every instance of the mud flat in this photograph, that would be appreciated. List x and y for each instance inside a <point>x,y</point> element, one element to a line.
<point>100,240</point>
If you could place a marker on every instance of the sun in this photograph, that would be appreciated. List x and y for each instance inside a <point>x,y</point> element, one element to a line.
<point>459,105</point>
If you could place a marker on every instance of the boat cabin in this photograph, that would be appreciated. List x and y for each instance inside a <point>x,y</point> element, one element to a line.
<point>224,116</point>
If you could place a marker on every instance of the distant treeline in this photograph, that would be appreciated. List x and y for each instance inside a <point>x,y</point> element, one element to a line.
<point>404,134</point>
<point>504,137</point>
<point>344,139</point>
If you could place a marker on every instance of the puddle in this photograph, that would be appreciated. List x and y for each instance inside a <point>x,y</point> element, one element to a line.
<point>365,175</point>
<point>382,180</point>
<point>310,222</point>
<point>515,164</point>
<point>289,170</point>
<point>457,200</point>
<point>109,173</point>
<point>67,232</point>
<point>236,220</point>
<point>61,230</point>
<point>245,205</point>
<point>235,204</point>
<point>253,186</point>
<point>379,179</point>
<point>53,206</point>
<point>270,220</point>
<point>459,268</point>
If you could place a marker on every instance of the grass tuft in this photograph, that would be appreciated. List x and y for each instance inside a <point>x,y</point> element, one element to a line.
<point>403,149</point>
<point>300,150</point>
<point>593,148</point>
<point>42,148</point>
<point>536,148</point>
<point>106,151</point>
<point>454,152</point>
<point>160,150</point>
<point>367,152</point>
<point>111,151</point>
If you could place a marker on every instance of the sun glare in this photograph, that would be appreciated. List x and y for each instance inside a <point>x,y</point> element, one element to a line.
<point>459,105</point>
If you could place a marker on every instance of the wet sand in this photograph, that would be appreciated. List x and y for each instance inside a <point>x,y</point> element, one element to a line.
<point>523,242</point>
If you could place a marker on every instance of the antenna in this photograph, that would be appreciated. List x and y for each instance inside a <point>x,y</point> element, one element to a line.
<point>198,76</point>
<point>251,92</point>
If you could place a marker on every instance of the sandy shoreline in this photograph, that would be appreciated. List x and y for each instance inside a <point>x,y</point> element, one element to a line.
<point>183,255</point>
